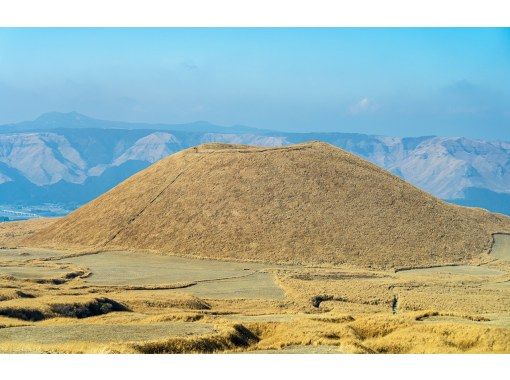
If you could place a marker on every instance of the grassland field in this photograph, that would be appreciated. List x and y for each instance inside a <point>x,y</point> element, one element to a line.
<point>142,302</point>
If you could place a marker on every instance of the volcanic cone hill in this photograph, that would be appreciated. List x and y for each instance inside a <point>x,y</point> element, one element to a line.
<point>309,203</point>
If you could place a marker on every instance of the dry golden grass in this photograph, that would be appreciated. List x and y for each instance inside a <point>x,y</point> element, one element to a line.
<point>144,300</point>
<point>363,333</point>
<point>11,322</point>
<point>382,333</point>
<point>443,338</point>
<point>36,309</point>
<point>435,314</point>
<point>448,293</point>
<point>12,233</point>
<point>353,322</point>
<point>310,203</point>
<point>226,337</point>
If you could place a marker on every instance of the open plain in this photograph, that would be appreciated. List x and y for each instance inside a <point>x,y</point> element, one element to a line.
<point>54,301</point>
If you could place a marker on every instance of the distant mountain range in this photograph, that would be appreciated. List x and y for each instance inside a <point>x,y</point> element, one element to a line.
<point>69,158</point>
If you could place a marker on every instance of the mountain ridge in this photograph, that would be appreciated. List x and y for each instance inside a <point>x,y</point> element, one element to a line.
<point>444,166</point>
<point>73,120</point>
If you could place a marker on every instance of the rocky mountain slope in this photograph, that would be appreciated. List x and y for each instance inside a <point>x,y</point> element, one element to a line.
<point>307,203</point>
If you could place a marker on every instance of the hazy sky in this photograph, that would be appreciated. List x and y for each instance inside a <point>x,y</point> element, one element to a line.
<point>403,82</point>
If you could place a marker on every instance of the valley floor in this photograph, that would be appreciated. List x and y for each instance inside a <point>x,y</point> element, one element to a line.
<point>134,302</point>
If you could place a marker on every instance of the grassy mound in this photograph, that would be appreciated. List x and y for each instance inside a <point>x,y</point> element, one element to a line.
<point>232,338</point>
<point>309,203</point>
<point>43,308</point>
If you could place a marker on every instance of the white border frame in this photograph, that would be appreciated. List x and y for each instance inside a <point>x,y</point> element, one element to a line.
<point>215,13</point>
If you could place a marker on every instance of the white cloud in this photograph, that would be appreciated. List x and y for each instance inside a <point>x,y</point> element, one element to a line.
<point>364,105</point>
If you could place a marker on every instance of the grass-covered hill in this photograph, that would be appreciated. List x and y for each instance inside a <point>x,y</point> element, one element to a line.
<point>307,203</point>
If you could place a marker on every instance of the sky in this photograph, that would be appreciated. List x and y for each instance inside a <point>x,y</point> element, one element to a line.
<point>398,82</point>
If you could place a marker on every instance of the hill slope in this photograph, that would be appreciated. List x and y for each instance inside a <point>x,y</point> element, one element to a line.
<point>307,203</point>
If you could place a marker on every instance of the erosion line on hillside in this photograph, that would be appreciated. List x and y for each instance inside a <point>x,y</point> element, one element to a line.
<point>133,218</point>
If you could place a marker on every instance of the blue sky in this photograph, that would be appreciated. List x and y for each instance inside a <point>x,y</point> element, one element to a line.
<point>403,82</point>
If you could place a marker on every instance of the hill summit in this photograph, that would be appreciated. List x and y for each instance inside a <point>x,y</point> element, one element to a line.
<point>309,203</point>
